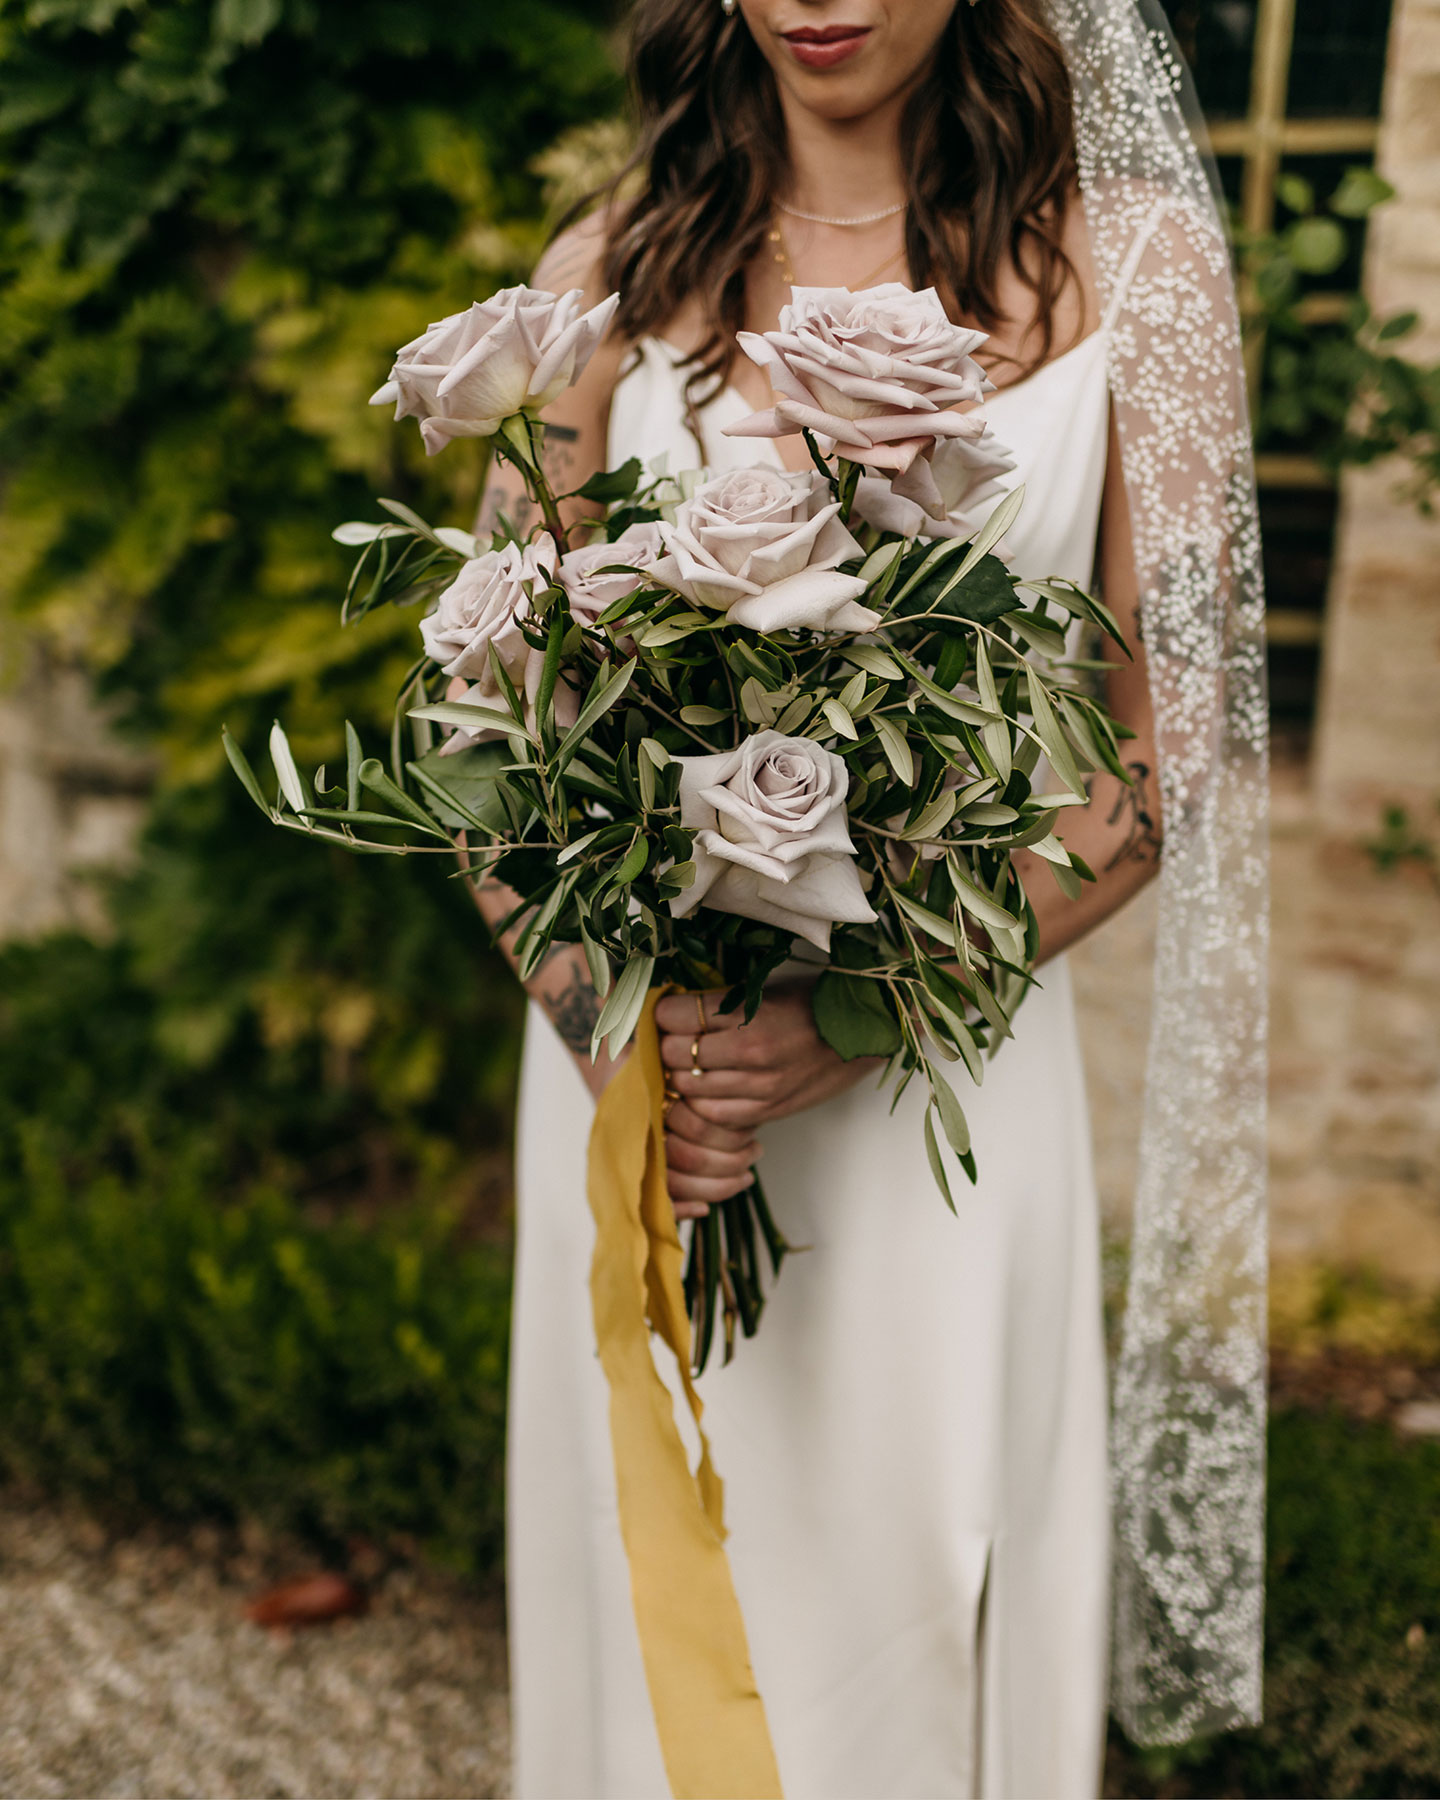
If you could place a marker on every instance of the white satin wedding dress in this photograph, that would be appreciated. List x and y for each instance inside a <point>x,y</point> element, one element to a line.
<point>914,1447</point>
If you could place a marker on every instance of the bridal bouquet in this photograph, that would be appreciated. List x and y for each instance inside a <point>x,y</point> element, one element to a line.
<point>727,723</point>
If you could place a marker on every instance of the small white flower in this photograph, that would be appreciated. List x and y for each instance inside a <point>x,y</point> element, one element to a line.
<point>772,839</point>
<point>509,354</point>
<point>763,547</point>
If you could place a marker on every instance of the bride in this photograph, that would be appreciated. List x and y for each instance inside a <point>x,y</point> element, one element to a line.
<point>915,1446</point>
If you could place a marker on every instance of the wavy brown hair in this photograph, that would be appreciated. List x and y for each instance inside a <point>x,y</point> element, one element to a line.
<point>987,148</point>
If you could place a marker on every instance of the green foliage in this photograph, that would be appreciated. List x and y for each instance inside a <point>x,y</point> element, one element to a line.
<point>218,218</point>
<point>319,1050</point>
<point>161,1349</point>
<point>1401,843</point>
<point>217,221</point>
<point>852,1017</point>
<point>1336,386</point>
<point>1354,1569</point>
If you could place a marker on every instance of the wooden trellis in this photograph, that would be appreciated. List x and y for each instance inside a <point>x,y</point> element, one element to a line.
<point>1262,140</point>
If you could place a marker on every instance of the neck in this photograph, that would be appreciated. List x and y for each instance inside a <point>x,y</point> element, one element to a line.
<point>844,167</point>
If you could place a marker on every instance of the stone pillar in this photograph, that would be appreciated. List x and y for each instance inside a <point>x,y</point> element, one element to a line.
<point>71,801</point>
<point>1378,726</point>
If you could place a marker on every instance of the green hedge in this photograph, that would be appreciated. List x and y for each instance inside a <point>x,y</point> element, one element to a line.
<point>218,219</point>
<point>341,1030</point>
<point>162,1349</point>
<point>167,1350</point>
<point>1351,1685</point>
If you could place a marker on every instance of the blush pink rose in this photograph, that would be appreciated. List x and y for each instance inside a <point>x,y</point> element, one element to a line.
<point>945,494</point>
<point>512,353</point>
<point>764,547</point>
<point>876,373</point>
<point>772,840</point>
<point>485,608</point>
<point>589,578</point>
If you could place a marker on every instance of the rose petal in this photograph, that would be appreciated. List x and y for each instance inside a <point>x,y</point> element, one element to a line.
<point>811,600</point>
<point>748,856</point>
<point>877,503</point>
<point>759,424</point>
<point>768,356</point>
<point>828,893</point>
<point>437,433</point>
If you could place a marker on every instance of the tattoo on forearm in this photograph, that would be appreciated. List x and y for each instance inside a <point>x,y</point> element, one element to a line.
<point>574,1010</point>
<point>560,441</point>
<point>503,504</point>
<point>1134,807</point>
<point>505,501</point>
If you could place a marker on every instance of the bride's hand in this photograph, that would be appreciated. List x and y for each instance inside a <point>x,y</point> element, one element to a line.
<point>776,1065</point>
<point>705,1163</point>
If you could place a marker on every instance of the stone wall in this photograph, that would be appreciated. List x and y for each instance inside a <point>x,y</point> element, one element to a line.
<point>71,800</point>
<point>1355,997</point>
<point>1378,731</point>
<point>1355,1048</point>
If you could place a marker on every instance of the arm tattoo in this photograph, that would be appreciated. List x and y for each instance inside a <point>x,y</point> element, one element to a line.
<point>559,455</point>
<point>505,493</point>
<point>563,263</point>
<point>1142,836</point>
<point>574,1010</point>
<point>515,504</point>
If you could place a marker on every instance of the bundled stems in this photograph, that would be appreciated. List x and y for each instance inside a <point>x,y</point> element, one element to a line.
<point>722,1273</point>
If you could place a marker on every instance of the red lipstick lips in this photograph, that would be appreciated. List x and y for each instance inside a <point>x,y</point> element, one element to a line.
<point>823,46</point>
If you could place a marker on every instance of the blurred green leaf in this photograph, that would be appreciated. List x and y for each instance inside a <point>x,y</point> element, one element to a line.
<point>1295,192</point>
<point>1317,246</point>
<point>1359,192</point>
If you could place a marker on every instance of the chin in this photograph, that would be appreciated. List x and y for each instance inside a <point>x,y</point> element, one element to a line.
<point>834,97</point>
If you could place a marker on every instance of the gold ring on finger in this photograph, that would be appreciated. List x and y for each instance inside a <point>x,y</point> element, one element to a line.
<point>700,1008</point>
<point>668,1103</point>
<point>695,1068</point>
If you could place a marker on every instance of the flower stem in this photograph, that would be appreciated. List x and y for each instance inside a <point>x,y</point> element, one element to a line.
<point>520,441</point>
<point>820,462</point>
<point>847,481</point>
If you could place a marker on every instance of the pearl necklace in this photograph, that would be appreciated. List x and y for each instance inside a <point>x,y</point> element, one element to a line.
<point>862,219</point>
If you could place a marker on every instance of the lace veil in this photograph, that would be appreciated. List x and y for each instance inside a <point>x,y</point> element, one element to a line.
<point>1189,1413</point>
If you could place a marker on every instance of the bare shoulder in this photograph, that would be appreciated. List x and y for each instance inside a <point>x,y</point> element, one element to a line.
<point>1075,311</point>
<point>574,260</point>
<point>1075,241</point>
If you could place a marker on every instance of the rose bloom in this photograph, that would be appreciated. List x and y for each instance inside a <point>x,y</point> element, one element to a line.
<point>941,495</point>
<point>483,608</point>
<point>762,546</point>
<point>511,353</point>
<point>772,840</point>
<point>588,574</point>
<point>875,373</point>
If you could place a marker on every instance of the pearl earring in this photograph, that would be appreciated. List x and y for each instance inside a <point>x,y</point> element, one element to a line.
<point>728,8</point>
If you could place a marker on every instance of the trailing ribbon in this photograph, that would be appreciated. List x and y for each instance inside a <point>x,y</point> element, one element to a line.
<point>708,1710</point>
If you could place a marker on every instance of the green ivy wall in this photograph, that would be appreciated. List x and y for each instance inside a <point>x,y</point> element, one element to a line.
<point>217,220</point>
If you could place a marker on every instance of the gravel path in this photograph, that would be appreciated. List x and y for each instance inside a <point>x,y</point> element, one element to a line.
<point>127,1668</point>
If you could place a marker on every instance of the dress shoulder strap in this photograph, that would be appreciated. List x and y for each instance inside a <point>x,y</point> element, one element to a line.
<point>1138,245</point>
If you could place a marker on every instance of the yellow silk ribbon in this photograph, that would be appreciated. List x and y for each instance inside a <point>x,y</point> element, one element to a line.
<point>708,1710</point>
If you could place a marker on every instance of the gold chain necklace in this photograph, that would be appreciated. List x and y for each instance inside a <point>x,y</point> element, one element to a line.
<point>781,253</point>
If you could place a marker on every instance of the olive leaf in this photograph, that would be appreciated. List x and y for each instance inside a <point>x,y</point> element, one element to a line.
<point>854,1016</point>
